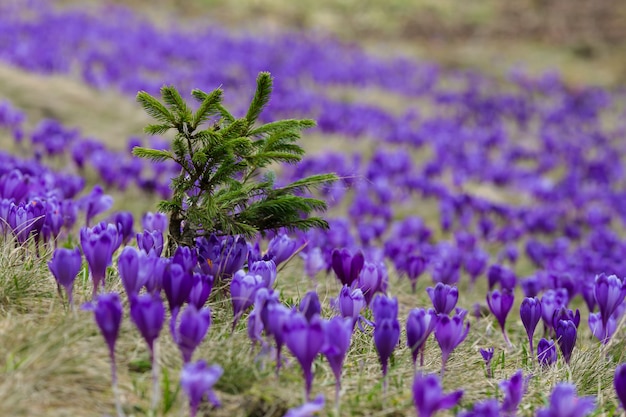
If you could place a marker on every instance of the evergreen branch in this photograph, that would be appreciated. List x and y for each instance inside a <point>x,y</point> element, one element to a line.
<point>154,155</point>
<point>155,109</point>
<point>226,115</point>
<point>261,97</point>
<point>207,108</point>
<point>157,129</point>
<point>307,184</point>
<point>282,125</point>
<point>175,102</point>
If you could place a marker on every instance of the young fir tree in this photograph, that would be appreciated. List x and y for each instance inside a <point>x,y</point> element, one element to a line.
<point>224,186</point>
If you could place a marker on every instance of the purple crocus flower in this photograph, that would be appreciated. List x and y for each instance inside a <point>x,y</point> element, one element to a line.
<point>546,352</point>
<point>128,265</point>
<point>177,285</point>
<point>95,203</point>
<point>350,303</point>
<point>449,333</point>
<point>197,381</point>
<point>530,313</point>
<point>487,408</point>
<point>273,320</point>
<point>314,262</point>
<point>597,328</point>
<point>419,325</point>
<point>498,274</point>
<point>565,403</point>
<point>154,222</point>
<point>551,301</point>
<point>487,355</point>
<point>150,242</point>
<point>233,254</point>
<point>415,266</point>
<point>266,269</point>
<point>337,336</point>
<point>65,265</point>
<point>444,297</point>
<point>428,395</point>
<point>386,338</point>
<point>371,280</point>
<point>564,313</point>
<point>242,289</point>
<point>98,245</point>
<point>124,221</point>
<point>619,382</point>
<point>192,328</point>
<point>308,409</point>
<point>281,248</point>
<point>185,257</point>
<point>610,292</point>
<point>566,337</point>
<point>347,266</point>
<point>305,340</point>
<point>148,314</point>
<point>513,390</point>
<point>200,290</point>
<point>310,305</point>
<point>500,303</point>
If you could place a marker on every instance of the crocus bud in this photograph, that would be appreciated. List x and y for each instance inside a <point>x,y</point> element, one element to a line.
<point>530,313</point>
<point>266,269</point>
<point>337,336</point>
<point>200,290</point>
<point>350,303</point>
<point>154,221</point>
<point>487,355</point>
<point>610,292</point>
<point>428,395</point>
<point>500,304</point>
<point>546,352</point>
<point>65,265</point>
<point>242,289</point>
<point>197,381</point>
<point>150,242</point>
<point>566,336</point>
<point>107,310</point>
<point>513,390</point>
<point>415,266</point>
<point>192,328</point>
<point>371,280</point>
<point>98,245</point>
<point>281,248</point>
<point>310,305</point>
<point>419,325</point>
<point>148,314</point>
<point>444,297</point>
<point>449,333</point>
<point>347,267</point>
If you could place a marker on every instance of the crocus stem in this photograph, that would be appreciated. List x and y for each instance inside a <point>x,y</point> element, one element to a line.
<point>422,357</point>
<point>156,389</point>
<point>530,340</point>
<point>337,392</point>
<point>116,392</point>
<point>506,338</point>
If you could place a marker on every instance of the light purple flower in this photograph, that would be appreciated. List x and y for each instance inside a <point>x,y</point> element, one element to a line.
<point>197,381</point>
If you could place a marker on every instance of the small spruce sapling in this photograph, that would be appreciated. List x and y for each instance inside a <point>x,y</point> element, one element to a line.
<point>224,186</point>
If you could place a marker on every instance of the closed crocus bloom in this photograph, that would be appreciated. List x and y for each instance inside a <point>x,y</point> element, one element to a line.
<point>266,269</point>
<point>450,332</point>
<point>546,352</point>
<point>530,313</point>
<point>384,307</point>
<point>233,255</point>
<point>444,297</point>
<point>487,355</point>
<point>177,285</point>
<point>310,305</point>
<point>148,314</point>
<point>350,302</point>
<point>551,301</point>
<point>619,382</point>
<point>128,265</point>
<point>513,390</point>
<point>566,336</point>
<point>371,280</point>
<point>565,403</point>
<point>107,310</point>
<point>185,257</point>
<point>386,338</point>
<point>610,292</point>
<point>598,330</point>
<point>160,266</point>
<point>305,340</point>
<point>150,242</point>
<point>475,263</point>
<point>500,303</point>
<point>419,325</point>
<point>201,289</point>
<point>124,221</point>
<point>193,327</point>
<point>337,336</point>
<point>564,313</point>
<point>197,380</point>
<point>95,203</point>
<point>242,289</point>
<point>415,266</point>
<point>281,248</point>
<point>277,314</point>
<point>154,222</point>
<point>498,274</point>
<point>98,247</point>
<point>65,265</point>
<point>428,395</point>
<point>347,266</point>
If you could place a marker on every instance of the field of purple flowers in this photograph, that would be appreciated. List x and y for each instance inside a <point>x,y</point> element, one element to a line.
<point>473,266</point>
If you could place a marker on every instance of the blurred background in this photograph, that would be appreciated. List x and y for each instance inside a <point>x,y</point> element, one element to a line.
<point>583,39</point>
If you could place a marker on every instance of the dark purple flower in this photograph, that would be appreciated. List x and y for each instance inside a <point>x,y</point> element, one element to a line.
<point>124,221</point>
<point>310,305</point>
<point>415,266</point>
<point>128,265</point>
<point>449,333</point>
<point>154,222</point>
<point>233,254</point>
<point>305,340</point>
<point>610,292</point>
<point>371,280</point>
<point>475,263</point>
<point>565,403</point>
<point>566,337</point>
<point>150,242</point>
<point>500,303</point>
<point>185,257</point>
<point>242,289</point>
<point>444,297</point>
<point>281,248</point>
<point>564,313</point>
<point>487,355</point>
<point>177,285</point>
<point>337,336</point>
<point>498,274</point>
<point>65,265</point>
<point>98,246</point>
<point>428,395</point>
<point>107,310</point>
<point>619,382</point>
<point>193,326</point>
<point>350,302</point>
<point>273,317</point>
<point>160,267</point>
<point>347,267</point>
<point>197,381</point>
<point>530,313</point>
<point>148,314</point>
<point>513,390</point>
<point>201,289</point>
<point>551,301</point>
<point>419,325</point>
<point>546,352</point>
<point>386,338</point>
<point>266,269</point>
